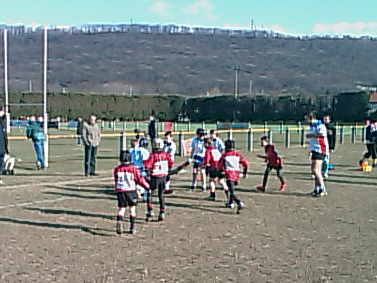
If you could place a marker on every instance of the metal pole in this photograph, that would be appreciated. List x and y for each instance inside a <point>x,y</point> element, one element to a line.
<point>353,134</point>
<point>237,68</point>
<point>180,143</point>
<point>250,140</point>
<point>45,118</point>
<point>362,134</point>
<point>270,135</point>
<point>287,138</point>
<point>302,137</point>
<point>341,134</point>
<point>6,84</point>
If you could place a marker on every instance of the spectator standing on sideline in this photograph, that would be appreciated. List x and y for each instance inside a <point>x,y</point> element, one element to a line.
<point>35,133</point>
<point>152,129</point>
<point>91,137</point>
<point>79,130</point>
<point>3,140</point>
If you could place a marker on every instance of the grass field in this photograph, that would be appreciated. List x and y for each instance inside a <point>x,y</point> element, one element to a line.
<point>58,226</point>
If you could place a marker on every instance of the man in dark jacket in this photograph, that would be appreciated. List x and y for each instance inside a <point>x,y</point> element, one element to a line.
<point>3,140</point>
<point>152,129</point>
<point>35,132</point>
<point>79,130</point>
<point>331,137</point>
<point>370,142</point>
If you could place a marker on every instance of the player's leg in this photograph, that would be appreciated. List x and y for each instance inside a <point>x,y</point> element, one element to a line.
<point>222,183</point>
<point>195,170</point>
<point>152,187</point>
<point>279,174</point>
<point>161,189</point>
<point>120,213</point>
<point>204,177</point>
<point>262,187</point>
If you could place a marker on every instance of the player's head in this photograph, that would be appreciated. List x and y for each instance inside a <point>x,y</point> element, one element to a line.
<point>200,133</point>
<point>134,143</point>
<point>125,156</point>
<point>326,118</point>
<point>229,145</point>
<point>212,134</point>
<point>373,122</point>
<point>207,142</point>
<point>92,119</point>
<point>158,144</point>
<point>168,136</point>
<point>311,116</point>
<point>264,141</point>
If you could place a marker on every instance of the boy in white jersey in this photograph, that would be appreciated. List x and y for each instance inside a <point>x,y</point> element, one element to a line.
<point>197,154</point>
<point>169,147</point>
<point>318,150</point>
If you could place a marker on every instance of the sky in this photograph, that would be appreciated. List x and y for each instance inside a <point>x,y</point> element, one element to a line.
<point>292,16</point>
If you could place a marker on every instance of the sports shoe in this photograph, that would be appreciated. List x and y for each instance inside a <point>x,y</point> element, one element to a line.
<point>38,164</point>
<point>261,188</point>
<point>148,217</point>
<point>240,206</point>
<point>168,192</point>
<point>313,194</point>
<point>229,205</point>
<point>282,187</point>
<point>119,227</point>
<point>209,197</point>
<point>326,175</point>
<point>161,216</point>
<point>132,231</point>
<point>204,189</point>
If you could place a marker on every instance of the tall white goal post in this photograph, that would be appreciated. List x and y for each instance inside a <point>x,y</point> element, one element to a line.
<point>44,90</point>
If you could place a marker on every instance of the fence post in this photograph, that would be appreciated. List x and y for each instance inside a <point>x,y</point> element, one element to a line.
<point>264,126</point>
<point>353,134</point>
<point>175,126</point>
<point>362,133</point>
<point>298,126</point>
<point>188,126</point>
<point>102,124</point>
<point>203,125</point>
<point>281,124</point>
<point>180,143</point>
<point>230,134</point>
<point>122,142</point>
<point>124,125</point>
<point>287,138</point>
<point>250,140</point>
<point>270,135</point>
<point>341,134</point>
<point>302,143</point>
<point>113,125</point>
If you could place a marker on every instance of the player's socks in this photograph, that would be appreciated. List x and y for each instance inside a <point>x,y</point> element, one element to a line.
<point>119,217</point>
<point>132,224</point>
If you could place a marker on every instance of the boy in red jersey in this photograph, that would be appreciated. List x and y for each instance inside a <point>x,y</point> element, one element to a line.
<point>126,177</point>
<point>230,163</point>
<point>211,160</point>
<point>273,161</point>
<point>158,164</point>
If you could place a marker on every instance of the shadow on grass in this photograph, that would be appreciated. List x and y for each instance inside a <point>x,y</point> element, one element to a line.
<point>80,189</point>
<point>79,196</point>
<point>75,213</point>
<point>345,182</point>
<point>92,231</point>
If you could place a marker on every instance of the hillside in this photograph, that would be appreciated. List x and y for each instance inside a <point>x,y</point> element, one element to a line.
<point>191,64</point>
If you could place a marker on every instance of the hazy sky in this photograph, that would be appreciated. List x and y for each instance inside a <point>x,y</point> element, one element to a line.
<point>296,16</point>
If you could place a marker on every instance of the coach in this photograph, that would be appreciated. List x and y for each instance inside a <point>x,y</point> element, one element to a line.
<point>91,137</point>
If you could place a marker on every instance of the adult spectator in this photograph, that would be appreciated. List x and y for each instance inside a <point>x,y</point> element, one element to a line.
<point>3,140</point>
<point>152,129</point>
<point>331,137</point>
<point>91,137</point>
<point>79,130</point>
<point>35,133</point>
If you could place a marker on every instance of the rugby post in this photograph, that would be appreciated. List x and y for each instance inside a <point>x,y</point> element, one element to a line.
<point>45,117</point>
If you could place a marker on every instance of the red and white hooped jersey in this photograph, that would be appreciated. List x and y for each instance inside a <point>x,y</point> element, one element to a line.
<point>319,143</point>
<point>212,156</point>
<point>159,163</point>
<point>230,163</point>
<point>126,177</point>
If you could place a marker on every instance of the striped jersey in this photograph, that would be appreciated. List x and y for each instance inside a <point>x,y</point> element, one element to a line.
<point>230,162</point>
<point>319,143</point>
<point>159,163</point>
<point>218,143</point>
<point>170,148</point>
<point>197,146</point>
<point>138,156</point>
<point>212,156</point>
<point>126,177</point>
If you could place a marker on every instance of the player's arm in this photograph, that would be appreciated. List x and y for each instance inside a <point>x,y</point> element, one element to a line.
<point>245,166</point>
<point>140,180</point>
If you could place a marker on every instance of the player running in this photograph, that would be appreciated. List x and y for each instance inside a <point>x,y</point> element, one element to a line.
<point>370,142</point>
<point>216,141</point>
<point>211,160</point>
<point>230,162</point>
<point>273,161</point>
<point>126,177</point>
<point>158,164</point>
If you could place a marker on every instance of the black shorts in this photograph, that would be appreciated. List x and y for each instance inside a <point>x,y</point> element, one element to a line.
<point>127,198</point>
<point>215,173</point>
<point>318,156</point>
<point>158,183</point>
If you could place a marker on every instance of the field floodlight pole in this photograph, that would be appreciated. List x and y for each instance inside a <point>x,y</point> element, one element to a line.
<point>45,117</point>
<point>6,83</point>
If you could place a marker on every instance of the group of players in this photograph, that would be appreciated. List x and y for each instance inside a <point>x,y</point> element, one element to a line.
<point>142,172</point>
